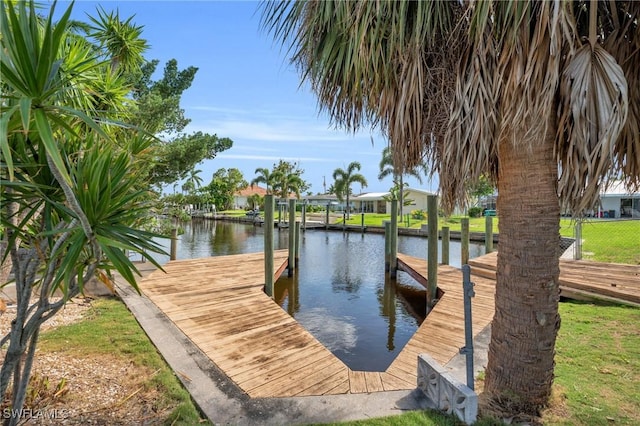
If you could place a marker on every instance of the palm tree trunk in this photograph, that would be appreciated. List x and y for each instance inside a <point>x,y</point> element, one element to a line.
<point>523,332</point>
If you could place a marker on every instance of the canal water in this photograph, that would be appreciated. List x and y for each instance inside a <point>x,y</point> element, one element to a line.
<point>340,292</point>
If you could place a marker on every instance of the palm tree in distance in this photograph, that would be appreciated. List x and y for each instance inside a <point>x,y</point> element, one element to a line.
<point>194,181</point>
<point>265,176</point>
<point>541,97</point>
<point>387,169</point>
<point>345,178</point>
<point>286,183</point>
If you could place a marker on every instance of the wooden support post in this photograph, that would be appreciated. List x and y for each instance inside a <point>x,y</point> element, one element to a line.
<point>280,213</point>
<point>488,234</point>
<point>268,244</point>
<point>432,251</point>
<point>326,222</point>
<point>304,216</point>
<point>297,256</point>
<point>445,245</point>
<point>292,236</point>
<point>577,247</point>
<point>387,244</point>
<point>393,240</point>
<point>362,221</point>
<point>464,241</point>
<point>174,244</point>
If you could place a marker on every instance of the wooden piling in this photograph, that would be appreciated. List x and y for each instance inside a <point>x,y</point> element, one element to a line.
<point>387,245</point>
<point>297,256</point>
<point>464,241</point>
<point>304,216</point>
<point>268,244</point>
<point>326,222</point>
<point>174,244</point>
<point>292,237</point>
<point>488,234</point>
<point>393,240</point>
<point>445,245</point>
<point>362,222</point>
<point>432,251</point>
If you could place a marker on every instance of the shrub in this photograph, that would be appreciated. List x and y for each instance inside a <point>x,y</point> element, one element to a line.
<point>418,214</point>
<point>475,211</point>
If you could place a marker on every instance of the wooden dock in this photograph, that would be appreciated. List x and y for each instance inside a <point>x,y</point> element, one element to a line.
<point>220,305</point>
<point>583,279</point>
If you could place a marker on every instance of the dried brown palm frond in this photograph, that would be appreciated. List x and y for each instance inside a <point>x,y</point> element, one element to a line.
<point>623,43</point>
<point>508,76</point>
<point>593,112</point>
<point>471,148</point>
<point>369,63</point>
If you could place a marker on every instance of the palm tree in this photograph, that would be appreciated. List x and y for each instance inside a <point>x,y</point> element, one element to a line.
<point>194,181</point>
<point>345,178</point>
<point>286,183</point>
<point>264,176</point>
<point>541,97</point>
<point>387,169</point>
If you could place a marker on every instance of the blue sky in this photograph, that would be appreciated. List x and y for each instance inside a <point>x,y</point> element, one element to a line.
<point>246,90</point>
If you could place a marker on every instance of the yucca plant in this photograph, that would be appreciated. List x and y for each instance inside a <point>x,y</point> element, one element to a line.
<point>72,202</point>
<point>542,97</point>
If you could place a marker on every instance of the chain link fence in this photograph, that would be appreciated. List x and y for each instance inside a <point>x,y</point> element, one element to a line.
<point>604,240</point>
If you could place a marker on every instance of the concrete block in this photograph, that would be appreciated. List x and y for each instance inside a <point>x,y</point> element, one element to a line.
<point>445,392</point>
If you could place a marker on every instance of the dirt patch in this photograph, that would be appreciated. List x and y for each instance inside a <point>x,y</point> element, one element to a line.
<point>96,390</point>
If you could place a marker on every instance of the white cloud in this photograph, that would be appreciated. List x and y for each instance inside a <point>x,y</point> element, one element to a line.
<point>273,158</point>
<point>333,332</point>
<point>273,124</point>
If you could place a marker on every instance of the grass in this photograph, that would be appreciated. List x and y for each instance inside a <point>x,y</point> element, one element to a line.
<point>615,241</point>
<point>109,329</point>
<point>597,372</point>
<point>597,365</point>
<point>603,240</point>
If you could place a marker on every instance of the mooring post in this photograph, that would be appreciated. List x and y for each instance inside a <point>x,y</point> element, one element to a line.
<point>279,214</point>
<point>174,244</point>
<point>488,234</point>
<point>432,251</point>
<point>344,220</point>
<point>446,236</point>
<point>577,244</point>
<point>362,221</point>
<point>292,237</point>
<point>464,240</point>
<point>297,256</point>
<point>467,350</point>
<point>326,222</point>
<point>387,244</point>
<point>393,240</point>
<point>304,215</point>
<point>268,244</point>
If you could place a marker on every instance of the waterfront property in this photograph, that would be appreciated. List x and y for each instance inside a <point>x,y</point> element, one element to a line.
<point>220,305</point>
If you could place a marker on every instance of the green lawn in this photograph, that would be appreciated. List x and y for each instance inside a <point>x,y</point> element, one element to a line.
<point>603,240</point>
<point>597,364</point>
<point>597,372</point>
<point>608,240</point>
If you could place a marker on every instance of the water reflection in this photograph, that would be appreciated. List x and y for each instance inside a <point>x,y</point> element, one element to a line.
<point>340,292</point>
